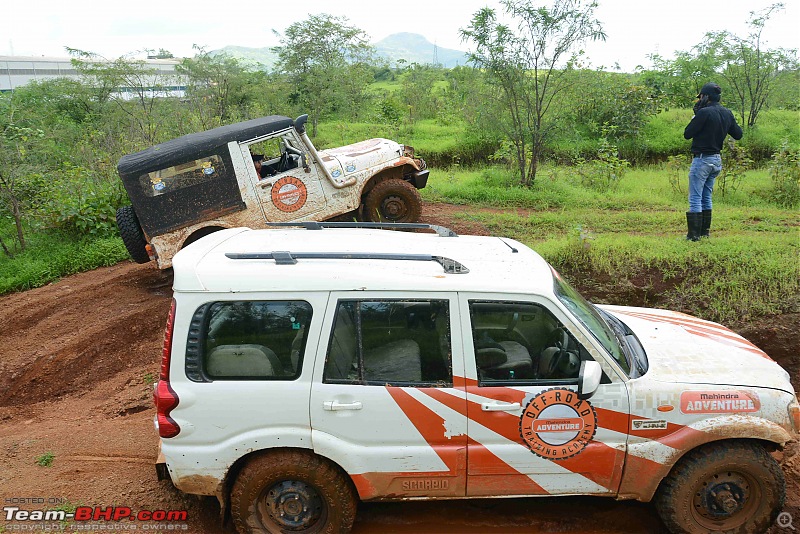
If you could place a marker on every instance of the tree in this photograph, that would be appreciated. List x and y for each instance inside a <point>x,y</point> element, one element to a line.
<point>16,142</point>
<point>216,87</point>
<point>125,81</point>
<point>531,66</point>
<point>328,62</point>
<point>748,68</point>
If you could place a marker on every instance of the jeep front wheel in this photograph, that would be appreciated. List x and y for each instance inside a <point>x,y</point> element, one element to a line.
<point>131,233</point>
<point>292,491</point>
<point>393,200</point>
<point>726,486</point>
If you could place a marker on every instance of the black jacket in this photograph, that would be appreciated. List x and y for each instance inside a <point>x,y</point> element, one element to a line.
<point>708,129</point>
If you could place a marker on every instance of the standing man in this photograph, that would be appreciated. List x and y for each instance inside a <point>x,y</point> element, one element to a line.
<point>707,130</point>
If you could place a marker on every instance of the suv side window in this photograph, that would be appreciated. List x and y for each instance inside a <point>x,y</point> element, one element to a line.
<point>391,342</point>
<point>249,340</point>
<point>522,342</point>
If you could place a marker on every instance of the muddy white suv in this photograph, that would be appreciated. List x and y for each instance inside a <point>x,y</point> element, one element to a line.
<point>306,369</point>
<point>254,172</point>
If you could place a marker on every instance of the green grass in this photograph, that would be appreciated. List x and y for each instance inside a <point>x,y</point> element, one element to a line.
<point>45,460</point>
<point>51,255</point>
<point>626,246</point>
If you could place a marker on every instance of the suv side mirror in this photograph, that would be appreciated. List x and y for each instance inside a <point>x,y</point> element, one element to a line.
<point>589,378</point>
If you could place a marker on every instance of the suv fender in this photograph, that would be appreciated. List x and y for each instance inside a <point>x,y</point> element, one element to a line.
<point>648,463</point>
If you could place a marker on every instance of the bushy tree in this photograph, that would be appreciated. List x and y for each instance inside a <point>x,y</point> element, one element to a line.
<point>530,66</point>
<point>328,62</point>
<point>217,87</point>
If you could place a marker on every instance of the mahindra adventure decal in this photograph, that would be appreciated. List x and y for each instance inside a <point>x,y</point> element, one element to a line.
<point>556,424</point>
<point>289,194</point>
<point>724,401</point>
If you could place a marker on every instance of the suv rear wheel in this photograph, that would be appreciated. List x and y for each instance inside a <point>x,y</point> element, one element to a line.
<point>725,486</point>
<point>131,233</point>
<point>393,200</point>
<point>292,491</point>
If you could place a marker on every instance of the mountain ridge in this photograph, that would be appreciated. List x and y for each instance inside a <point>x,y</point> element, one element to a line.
<point>406,46</point>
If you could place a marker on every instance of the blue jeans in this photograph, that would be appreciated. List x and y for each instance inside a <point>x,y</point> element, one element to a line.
<point>704,170</point>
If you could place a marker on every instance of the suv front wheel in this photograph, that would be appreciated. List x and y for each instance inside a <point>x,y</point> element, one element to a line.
<point>292,491</point>
<point>724,486</point>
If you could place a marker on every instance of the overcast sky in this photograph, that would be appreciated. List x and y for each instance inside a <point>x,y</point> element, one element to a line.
<point>635,28</point>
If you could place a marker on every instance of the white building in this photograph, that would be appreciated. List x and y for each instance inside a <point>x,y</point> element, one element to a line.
<point>16,71</point>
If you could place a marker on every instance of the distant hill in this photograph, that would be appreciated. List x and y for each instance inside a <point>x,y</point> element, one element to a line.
<point>411,47</point>
<point>252,57</point>
<point>415,48</point>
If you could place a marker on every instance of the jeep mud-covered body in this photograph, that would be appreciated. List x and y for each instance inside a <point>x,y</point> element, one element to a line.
<point>189,187</point>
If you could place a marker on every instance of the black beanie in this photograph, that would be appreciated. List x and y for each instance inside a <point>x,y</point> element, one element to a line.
<point>712,90</point>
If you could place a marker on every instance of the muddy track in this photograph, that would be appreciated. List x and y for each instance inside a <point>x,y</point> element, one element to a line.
<point>77,361</point>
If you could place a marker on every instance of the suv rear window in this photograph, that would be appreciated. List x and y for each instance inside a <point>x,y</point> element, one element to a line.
<point>249,340</point>
<point>391,342</point>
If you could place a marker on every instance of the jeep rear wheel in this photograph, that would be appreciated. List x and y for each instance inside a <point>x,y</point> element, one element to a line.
<point>292,491</point>
<point>726,486</point>
<point>394,200</point>
<point>131,233</point>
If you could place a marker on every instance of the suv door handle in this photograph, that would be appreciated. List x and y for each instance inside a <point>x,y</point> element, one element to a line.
<point>500,406</point>
<point>333,406</point>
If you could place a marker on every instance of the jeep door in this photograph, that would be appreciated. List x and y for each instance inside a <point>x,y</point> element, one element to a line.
<point>288,185</point>
<point>529,431</point>
<point>386,405</point>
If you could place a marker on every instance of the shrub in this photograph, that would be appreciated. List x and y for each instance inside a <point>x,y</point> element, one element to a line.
<point>785,174</point>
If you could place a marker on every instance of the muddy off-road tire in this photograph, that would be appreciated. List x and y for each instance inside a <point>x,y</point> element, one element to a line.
<point>292,491</point>
<point>394,200</point>
<point>131,232</point>
<point>734,487</point>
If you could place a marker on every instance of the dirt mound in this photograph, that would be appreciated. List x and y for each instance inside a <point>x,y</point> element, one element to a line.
<point>77,362</point>
<point>63,338</point>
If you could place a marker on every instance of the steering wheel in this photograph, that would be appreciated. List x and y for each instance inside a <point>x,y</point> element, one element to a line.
<point>561,344</point>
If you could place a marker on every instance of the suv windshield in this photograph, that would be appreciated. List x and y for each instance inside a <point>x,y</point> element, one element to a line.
<point>592,320</point>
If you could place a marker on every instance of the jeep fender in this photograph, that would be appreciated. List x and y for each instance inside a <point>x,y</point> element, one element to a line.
<point>647,463</point>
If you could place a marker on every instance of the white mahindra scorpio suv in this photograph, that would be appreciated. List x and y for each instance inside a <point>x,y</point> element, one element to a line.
<point>305,369</point>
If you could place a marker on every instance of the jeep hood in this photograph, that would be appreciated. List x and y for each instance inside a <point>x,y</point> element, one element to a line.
<point>359,156</point>
<point>683,348</point>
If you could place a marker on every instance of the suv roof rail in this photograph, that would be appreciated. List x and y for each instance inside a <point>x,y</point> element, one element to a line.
<point>315,225</point>
<point>283,257</point>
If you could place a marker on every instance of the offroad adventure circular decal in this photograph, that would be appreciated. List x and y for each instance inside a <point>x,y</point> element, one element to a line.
<point>289,194</point>
<point>556,424</point>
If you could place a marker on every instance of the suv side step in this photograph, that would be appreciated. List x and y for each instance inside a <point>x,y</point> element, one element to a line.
<point>314,225</point>
<point>290,258</point>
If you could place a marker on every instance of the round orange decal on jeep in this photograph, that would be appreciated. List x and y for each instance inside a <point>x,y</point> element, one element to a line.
<point>556,424</point>
<point>289,194</point>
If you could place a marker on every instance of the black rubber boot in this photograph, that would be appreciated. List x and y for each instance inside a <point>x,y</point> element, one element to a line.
<point>706,227</point>
<point>694,221</point>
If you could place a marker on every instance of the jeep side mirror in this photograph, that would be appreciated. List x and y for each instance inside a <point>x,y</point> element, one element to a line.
<point>589,378</point>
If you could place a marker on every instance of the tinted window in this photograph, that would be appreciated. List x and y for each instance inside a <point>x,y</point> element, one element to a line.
<point>255,339</point>
<point>390,342</point>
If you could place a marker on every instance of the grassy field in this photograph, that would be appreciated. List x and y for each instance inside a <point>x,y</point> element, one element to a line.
<point>627,244</point>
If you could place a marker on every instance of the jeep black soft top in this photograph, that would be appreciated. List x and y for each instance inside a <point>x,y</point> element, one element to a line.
<point>194,145</point>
